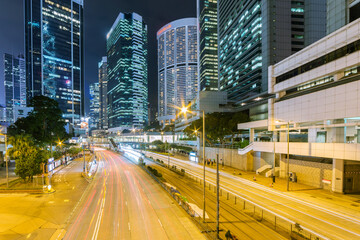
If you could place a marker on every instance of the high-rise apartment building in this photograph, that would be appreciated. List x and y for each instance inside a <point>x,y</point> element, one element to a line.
<point>94,106</point>
<point>340,13</point>
<point>103,81</point>
<point>208,49</point>
<point>177,66</point>
<point>255,34</point>
<point>54,53</point>
<point>127,105</point>
<point>14,84</point>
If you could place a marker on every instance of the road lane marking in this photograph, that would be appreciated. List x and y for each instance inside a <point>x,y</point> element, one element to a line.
<point>260,188</point>
<point>160,223</point>
<point>129,226</point>
<point>98,221</point>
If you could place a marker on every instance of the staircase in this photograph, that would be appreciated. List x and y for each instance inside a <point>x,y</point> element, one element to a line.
<point>245,150</point>
<point>112,143</point>
<point>263,169</point>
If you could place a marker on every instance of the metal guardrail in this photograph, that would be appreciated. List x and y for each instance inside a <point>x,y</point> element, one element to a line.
<point>280,224</point>
<point>210,233</point>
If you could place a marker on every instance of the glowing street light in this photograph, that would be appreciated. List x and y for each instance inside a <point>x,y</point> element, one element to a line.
<point>184,110</point>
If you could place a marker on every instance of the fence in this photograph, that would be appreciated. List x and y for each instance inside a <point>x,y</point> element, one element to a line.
<point>279,223</point>
<point>210,233</point>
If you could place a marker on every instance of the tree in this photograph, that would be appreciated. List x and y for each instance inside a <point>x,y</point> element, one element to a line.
<point>28,157</point>
<point>45,123</point>
<point>218,125</point>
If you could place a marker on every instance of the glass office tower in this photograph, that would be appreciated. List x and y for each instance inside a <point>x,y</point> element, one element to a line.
<point>177,66</point>
<point>208,48</point>
<point>14,83</point>
<point>54,53</point>
<point>103,81</point>
<point>255,34</point>
<point>94,106</point>
<point>127,105</point>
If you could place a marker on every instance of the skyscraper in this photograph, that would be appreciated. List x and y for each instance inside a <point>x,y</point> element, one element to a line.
<point>257,33</point>
<point>208,49</point>
<point>340,13</point>
<point>177,66</point>
<point>14,83</point>
<point>54,53</point>
<point>127,105</point>
<point>94,106</point>
<point>103,81</point>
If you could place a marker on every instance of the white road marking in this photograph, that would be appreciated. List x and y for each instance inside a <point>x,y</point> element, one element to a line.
<point>160,223</point>
<point>129,226</point>
<point>98,221</point>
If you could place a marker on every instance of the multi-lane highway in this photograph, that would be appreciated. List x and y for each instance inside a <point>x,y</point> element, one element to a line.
<point>231,215</point>
<point>123,202</point>
<point>329,222</point>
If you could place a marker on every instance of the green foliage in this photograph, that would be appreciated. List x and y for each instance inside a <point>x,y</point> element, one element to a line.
<point>160,146</point>
<point>157,142</point>
<point>169,128</point>
<point>74,151</point>
<point>28,157</point>
<point>45,123</point>
<point>154,126</point>
<point>154,171</point>
<point>218,125</point>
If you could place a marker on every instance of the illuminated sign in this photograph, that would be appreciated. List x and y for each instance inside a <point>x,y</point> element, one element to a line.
<point>164,29</point>
<point>193,157</point>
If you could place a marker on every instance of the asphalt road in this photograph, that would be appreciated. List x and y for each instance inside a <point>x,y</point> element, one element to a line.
<point>124,202</point>
<point>232,217</point>
<point>332,223</point>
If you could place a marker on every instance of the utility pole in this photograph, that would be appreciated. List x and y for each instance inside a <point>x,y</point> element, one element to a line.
<point>217,196</point>
<point>7,162</point>
<point>288,157</point>
<point>203,112</point>
<point>168,155</point>
<point>84,158</point>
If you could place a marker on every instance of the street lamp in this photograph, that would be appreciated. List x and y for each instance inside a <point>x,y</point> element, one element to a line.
<point>184,110</point>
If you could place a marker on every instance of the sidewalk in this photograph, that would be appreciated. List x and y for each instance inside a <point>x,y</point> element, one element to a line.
<point>346,203</point>
<point>12,175</point>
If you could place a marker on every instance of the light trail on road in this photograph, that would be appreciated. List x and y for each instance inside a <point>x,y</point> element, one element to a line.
<point>125,203</point>
<point>330,223</point>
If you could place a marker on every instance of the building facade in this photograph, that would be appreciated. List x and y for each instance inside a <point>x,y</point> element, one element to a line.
<point>127,104</point>
<point>208,48</point>
<point>54,53</point>
<point>94,106</point>
<point>14,84</point>
<point>103,81</point>
<point>256,34</point>
<point>340,13</point>
<point>317,96</point>
<point>177,67</point>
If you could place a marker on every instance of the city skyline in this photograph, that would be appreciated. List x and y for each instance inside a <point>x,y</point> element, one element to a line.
<point>96,29</point>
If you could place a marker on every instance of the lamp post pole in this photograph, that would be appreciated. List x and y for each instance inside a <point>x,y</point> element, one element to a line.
<point>7,163</point>
<point>184,110</point>
<point>204,163</point>
<point>288,157</point>
<point>217,196</point>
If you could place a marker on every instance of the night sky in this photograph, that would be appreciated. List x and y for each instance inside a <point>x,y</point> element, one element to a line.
<point>99,17</point>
